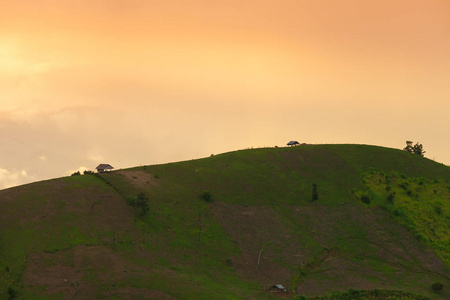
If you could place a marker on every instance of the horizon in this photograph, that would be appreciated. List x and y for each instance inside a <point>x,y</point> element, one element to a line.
<point>132,83</point>
<point>93,169</point>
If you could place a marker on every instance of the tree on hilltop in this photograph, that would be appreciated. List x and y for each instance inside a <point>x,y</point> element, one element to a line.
<point>409,147</point>
<point>416,149</point>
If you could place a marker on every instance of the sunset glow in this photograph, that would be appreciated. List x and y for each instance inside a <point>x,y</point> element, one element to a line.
<point>144,82</point>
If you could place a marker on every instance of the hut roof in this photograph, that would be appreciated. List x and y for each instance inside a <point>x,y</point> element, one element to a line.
<point>104,167</point>
<point>279,286</point>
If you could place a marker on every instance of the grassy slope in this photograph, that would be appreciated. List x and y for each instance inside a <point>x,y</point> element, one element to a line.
<point>76,235</point>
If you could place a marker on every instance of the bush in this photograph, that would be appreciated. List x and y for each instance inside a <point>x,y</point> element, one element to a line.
<point>437,209</point>
<point>76,173</point>
<point>315,194</point>
<point>228,262</point>
<point>404,185</point>
<point>141,203</point>
<point>365,199</point>
<point>87,172</point>
<point>390,198</point>
<point>399,212</point>
<point>437,286</point>
<point>11,293</point>
<point>207,196</point>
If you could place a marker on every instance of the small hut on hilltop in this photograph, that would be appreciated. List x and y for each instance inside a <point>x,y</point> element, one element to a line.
<point>104,168</point>
<point>293,143</point>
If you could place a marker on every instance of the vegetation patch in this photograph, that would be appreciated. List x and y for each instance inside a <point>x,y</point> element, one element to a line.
<point>420,204</point>
<point>367,295</point>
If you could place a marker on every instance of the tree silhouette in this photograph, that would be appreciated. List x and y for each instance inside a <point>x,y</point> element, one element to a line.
<point>409,147</point>
<point>416,149</point>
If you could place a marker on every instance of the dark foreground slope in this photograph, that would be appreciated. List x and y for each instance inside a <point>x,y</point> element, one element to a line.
<point>77,238</point>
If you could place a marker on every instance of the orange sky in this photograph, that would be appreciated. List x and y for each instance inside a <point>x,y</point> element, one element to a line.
<point>143,82</point>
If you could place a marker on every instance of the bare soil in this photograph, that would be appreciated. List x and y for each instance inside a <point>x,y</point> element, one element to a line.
<point>261,232</point>
<point>139,178</point>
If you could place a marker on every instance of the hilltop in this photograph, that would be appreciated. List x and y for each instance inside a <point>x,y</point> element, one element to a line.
<point>380,221</point>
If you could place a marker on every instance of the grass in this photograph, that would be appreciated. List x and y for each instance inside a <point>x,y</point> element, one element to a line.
<point>419,203</point>
<point>260,228</point>
<point>367,295</point>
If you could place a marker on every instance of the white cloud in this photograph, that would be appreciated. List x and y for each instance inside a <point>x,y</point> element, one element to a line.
<point>80,169</point>
<point>12,178</point>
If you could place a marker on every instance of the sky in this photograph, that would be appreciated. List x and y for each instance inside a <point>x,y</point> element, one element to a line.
<point>139,82</point>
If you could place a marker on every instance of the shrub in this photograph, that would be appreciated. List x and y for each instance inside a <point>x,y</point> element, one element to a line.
<point>315,194</point>
<point>365,199</point>
<point>437,286</point>
<point>390,198</point>
<point>76,173</point>
<point>437,209</point>
<point>404,185</point>
<point>353,293</point>
<point>398,212</point>
<point>141,203</point>
<point>87,172</point>
<point>11,293</point>
<point>207,196</point>
<point>228,262</point>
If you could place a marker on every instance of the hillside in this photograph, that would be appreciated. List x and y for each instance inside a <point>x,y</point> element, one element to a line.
<point>77,237</point>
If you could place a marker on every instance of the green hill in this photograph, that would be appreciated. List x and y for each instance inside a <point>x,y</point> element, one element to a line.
<point>381,221</point>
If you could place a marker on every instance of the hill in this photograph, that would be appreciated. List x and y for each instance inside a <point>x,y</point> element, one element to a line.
<point>381,221</point>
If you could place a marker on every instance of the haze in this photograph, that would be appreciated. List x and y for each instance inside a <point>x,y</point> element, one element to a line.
<point>145,82</point>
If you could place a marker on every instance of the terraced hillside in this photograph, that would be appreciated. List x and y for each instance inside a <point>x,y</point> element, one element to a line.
<point>257,225</point>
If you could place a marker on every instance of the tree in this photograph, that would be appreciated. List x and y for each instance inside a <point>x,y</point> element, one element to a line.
<point>437,287</point>
<point>141,203</point>
<point>409,147</point>
<point>416,149</point>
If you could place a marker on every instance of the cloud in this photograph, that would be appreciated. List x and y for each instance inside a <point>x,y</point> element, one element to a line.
<point>12,178</point>
<point>80,169</point>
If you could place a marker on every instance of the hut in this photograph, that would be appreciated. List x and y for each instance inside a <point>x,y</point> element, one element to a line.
<point>278,288</point>
<point>104,168</point>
